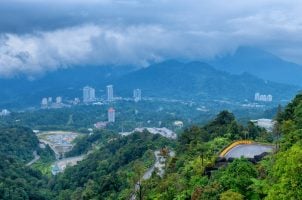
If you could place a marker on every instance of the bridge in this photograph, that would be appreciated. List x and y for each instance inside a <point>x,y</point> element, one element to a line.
<point>246,149</point>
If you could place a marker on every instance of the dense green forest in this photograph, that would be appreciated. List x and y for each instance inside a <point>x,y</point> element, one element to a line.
<point>18,182</point>
<point>18,143</point>
<point>111,170</point>
<point>278,176</point>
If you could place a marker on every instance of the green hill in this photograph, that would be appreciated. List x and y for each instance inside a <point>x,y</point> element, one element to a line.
<point>18,143</point>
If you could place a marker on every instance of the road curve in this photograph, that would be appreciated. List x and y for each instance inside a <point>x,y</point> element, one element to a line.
<point>248,150</point>
<point>36,158</point>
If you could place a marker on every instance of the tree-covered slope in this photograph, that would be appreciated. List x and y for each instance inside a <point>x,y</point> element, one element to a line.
<point>277,176</point>
<point>18,182</point>
<point>109,172</point>
<point>112,169</point>
<point>188,173</point>
<point>18,143</point>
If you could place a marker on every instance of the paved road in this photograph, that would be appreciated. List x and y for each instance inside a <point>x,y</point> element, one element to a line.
<point>36,158</point>
<point>248,150</point>
<point>159,164</point>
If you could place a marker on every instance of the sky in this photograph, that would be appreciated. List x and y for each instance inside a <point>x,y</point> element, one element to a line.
<point>39,36</point>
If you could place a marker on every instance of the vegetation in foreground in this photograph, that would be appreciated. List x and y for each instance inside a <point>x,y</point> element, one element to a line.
<point>111,170</point>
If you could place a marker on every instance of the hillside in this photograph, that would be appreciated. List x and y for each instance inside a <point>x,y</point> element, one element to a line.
<point>111,171</point>
<point>261,64</point>
<point>18,143</point>
<point>16,180</point>
<point>277,176</point>
<point>199,81</point>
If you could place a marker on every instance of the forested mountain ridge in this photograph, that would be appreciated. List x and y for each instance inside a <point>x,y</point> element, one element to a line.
<point>199,80</point>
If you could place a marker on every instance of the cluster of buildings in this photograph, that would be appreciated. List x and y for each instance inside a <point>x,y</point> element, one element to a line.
<point>167,133</point>
<point>49,103</point>
<point>62,139</point>
<point>4,112</point>
<point>263,97</point>
<point>89,94</point>
<point>100,125</point>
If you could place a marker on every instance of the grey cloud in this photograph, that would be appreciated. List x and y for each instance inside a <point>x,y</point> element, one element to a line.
<point>38,36</point>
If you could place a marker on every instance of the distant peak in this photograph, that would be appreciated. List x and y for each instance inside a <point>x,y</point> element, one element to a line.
<point>252,52</point>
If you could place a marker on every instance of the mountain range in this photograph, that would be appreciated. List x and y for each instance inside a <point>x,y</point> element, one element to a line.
<point>199,81</point>
<point>234,77</point>
<point>261,64</point>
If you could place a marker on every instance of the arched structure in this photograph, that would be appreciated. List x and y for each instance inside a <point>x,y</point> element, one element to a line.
<point>245,148</point>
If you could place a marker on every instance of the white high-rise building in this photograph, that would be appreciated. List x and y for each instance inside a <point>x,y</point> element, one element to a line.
<point>263,97</point>
<point>269,98</point>
<point>58,100</point>
<point>257,95</point>
<point>88,94</point>
<point>137,95</point>
<point>110,93</point>
<point>44,103</point>
<point>111,115</point>
<point>92,94</point>
<point>4,112</point>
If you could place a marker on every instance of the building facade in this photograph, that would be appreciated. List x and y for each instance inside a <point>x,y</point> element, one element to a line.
<point>137,95</point>
<point>88,94</point>
<point>263,97</point>
<point>111,115</point>
<point>110,96</point>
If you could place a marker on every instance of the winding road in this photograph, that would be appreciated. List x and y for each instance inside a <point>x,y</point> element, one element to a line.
<point>36,158</point>
<point>159,164</point>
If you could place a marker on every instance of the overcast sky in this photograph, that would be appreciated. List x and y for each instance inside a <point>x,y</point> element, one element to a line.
<point>37,36</point>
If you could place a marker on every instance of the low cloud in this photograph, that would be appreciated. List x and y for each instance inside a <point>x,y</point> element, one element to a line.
<point>138,32</point>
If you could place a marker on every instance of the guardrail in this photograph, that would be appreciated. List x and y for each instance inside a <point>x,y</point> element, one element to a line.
<point>234,144</point>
